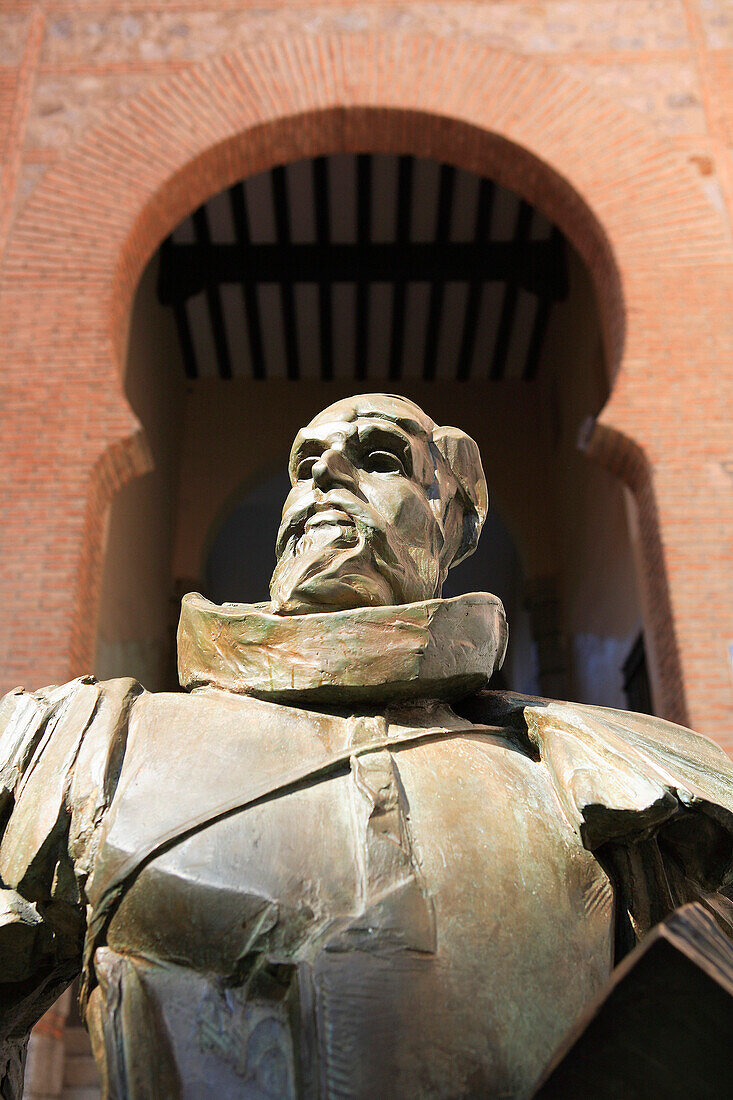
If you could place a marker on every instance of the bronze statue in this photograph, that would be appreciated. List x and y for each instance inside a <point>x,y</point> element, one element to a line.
<point>337,866</point>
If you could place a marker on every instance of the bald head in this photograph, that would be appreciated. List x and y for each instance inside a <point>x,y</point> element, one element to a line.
<point>384,501</point>
<point>389,406</point>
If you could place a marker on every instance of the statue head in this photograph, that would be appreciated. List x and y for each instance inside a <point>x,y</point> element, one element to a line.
<point>383,503</point>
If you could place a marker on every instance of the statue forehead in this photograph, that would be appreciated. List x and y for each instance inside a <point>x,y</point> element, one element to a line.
<point>377,406</point>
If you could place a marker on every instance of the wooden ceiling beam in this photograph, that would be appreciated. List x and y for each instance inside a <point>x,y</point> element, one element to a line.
<point>287,283</point>
<point>321,192</point>
<point>536,266</point>
<point>437,288</point>
<point>473,302</point>
<point>213,298</point>
<point>364,237</point>
<point>511,291</point>
<point>399,292</point>
<point>237,201</point>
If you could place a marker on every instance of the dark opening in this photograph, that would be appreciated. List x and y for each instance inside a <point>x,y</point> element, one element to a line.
<point>636,679</point>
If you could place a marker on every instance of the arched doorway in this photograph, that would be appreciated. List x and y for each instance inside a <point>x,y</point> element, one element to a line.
<point>353,272</point>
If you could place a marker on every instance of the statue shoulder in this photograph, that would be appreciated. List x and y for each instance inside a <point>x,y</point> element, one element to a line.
<point>617,773</point>
<point>653,799</point>
<point>60,753</point>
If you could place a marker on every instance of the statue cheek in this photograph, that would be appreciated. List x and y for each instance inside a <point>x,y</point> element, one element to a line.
<point>410,514</point>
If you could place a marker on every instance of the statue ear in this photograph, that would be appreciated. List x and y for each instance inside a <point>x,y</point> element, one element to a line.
<point>462,456</point>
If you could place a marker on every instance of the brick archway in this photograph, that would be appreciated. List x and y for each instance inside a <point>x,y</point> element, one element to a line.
<point>622,196</point>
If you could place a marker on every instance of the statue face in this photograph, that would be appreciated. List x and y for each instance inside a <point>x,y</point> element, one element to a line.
<point>358,527</point>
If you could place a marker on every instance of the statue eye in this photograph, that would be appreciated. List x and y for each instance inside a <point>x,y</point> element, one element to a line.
<point>382,462</point>
<point>304,469</point>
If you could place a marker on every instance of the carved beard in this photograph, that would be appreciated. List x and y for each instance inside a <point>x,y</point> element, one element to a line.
<point>333,567</point>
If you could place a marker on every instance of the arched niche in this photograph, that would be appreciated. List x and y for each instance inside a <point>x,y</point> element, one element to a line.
<point>220,420</point>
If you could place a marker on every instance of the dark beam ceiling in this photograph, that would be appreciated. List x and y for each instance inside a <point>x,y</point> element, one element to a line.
<point>448,264</point>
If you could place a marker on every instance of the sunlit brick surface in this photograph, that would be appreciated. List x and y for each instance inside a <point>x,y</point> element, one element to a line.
<point>613,118</point>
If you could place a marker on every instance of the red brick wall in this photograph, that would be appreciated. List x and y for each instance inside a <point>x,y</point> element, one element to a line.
<point>168,106</point>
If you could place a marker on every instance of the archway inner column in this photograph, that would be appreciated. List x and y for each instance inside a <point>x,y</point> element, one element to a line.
<point>664,432</point>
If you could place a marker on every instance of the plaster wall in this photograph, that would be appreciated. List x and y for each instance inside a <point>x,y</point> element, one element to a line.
<point>601,611</point>
<point>135,615</point>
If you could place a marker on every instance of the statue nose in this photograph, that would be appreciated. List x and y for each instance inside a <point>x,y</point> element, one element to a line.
<point>333,468</point>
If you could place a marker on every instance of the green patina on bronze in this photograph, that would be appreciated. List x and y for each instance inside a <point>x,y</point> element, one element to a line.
<point>441,649</point>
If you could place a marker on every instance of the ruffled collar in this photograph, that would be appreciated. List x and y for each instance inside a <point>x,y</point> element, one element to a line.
<point>434,649</point>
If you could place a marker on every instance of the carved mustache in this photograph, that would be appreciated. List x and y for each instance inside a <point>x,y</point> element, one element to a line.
<point>295,518</point>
